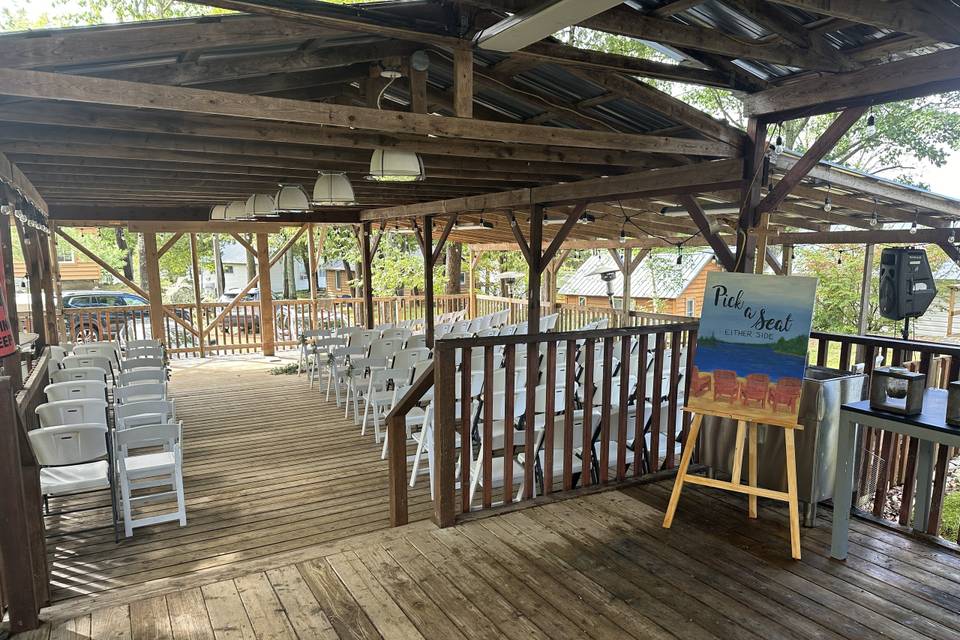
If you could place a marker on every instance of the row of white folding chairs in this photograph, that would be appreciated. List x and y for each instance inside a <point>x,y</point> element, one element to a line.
<point>331,356</point>
<point>366,384</point>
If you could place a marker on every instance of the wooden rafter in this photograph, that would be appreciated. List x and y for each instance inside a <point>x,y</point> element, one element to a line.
<point>518,236</point>
<point>562,234</point>
<point>441,241</point>
<point>243,243</point>
<point>699,216</point>
<point>169,243</point>
<point>811,158</point>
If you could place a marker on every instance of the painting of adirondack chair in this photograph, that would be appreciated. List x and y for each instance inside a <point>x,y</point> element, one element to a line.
<point>755,389</point>
<point>725,385</point>
<point>785,393</point>
<point>700,383</point>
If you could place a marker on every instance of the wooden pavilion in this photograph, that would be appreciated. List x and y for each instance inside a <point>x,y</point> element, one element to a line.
<point>542,148</point>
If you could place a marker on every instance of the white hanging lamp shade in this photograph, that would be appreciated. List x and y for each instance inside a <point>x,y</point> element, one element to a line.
<point>260,205</point>
<point>291,198</point>
<point>235,210</point>
<point>333,190</point>
<point>394,165</point>
<point>218,212</point>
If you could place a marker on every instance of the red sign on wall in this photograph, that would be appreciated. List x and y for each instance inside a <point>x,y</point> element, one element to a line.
<point>8,342</point>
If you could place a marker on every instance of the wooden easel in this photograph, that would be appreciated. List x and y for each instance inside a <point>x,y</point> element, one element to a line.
<point>752,490</point>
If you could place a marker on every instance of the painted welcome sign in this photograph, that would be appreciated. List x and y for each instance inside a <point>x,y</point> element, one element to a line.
<point>752,346</point>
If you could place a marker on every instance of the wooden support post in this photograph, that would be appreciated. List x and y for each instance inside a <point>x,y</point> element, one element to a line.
<point>31,262</point>
<point>463,82</point>
<point>753,167</point>
<point>16,543</point>
<point>367,260</point>
<point>426,247</point>
<point>761,256</point>
<point>786,262</point>
<point>444,437</point>
<point>266,295</point>
<point>535,253</point>
<point>57,284</point>
<point>474,257</point>
<point>11,364</point>
<point>197,298</point>
<point>312,268</point>
<point>627,285</point>
<point>49,301</point>
<point>154,290</point>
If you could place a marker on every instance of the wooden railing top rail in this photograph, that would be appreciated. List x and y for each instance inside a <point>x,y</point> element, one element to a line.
<point>662,316</point>
<point>920,346</point>
<point>559,336</point>
<point>413,395</point>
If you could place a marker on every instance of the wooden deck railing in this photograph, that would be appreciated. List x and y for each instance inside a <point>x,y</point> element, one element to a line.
<point>890,459</point>
<point>24,578</point>
<point>603,451</point>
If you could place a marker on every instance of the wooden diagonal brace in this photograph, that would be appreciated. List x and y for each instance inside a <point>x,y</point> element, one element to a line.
<point>442,240</point>
<point>699,216</point>
<point>518,235</point>
<point>169,243</point>
<point>562,234</point>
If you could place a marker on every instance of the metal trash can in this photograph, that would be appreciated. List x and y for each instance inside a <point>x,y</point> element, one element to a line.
<point>824,390</point>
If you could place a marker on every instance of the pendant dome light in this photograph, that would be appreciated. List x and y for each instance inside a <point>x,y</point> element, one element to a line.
<point>218,212</point>
<point>260,205</point>
<point>291,198</point>
<point>235,210</point>
<point>333,190</point>
<point>394,165</point>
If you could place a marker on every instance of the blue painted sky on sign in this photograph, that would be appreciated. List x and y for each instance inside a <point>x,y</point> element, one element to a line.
<point>753,309</point>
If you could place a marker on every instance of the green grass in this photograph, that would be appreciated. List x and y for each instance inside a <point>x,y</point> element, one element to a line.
<point>950,518</point>
<point>285,370</point>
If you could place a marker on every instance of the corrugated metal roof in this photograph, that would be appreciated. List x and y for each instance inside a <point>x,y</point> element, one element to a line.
<point>658,276</point>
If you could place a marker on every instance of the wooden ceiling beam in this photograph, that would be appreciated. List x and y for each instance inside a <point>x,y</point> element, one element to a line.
<point>911,77</point>
<point>699,216</point>
<point>628,22</point>
<point>705,176</point>
<point>937,19</point>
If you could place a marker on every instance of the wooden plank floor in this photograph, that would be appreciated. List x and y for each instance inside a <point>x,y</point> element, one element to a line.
<point>269,468</point>
<point>598,566</point>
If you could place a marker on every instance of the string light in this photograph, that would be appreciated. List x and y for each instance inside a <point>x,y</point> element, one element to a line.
<point>679,254</point>
<point>874,219</point>
<point>953,236</point>
<point>913,226</point>
<point>827,203</point>
<point>871,124</point>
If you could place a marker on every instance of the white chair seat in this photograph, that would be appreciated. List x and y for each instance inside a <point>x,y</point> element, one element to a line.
<point>74,478</point>
<point>150,463</point>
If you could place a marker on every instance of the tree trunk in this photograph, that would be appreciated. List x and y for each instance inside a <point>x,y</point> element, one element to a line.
<point>219,277</point>
<point>141,253</point>
<point>349,275</point>
<point>127,253</point>
<point>251,260</point>
<point>454,264</point>
<point>289,280</point>
<point>504,292</point>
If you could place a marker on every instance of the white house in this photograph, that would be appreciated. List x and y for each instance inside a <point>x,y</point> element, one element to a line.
<point>234,258</point>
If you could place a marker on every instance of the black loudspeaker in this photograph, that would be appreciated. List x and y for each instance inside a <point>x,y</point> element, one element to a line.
<point>906,283</point>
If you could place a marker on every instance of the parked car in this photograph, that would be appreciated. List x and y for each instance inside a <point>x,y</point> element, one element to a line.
<point>85,323</point>
<point>244,316</point>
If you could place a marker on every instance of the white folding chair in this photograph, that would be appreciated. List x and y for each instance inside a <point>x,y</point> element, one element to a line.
<point>144,412</point>
<point>307,347</point>
<point>142,363</point>
<point>82,411</point>
<point>136,344</point>
<point>408,358</point>
<point>397,334</point>
<point>140,392</point>
<point>363,338</point>
<point>138,376</point>
<point>74,459</point>
<point>148,471</point>
<point>78,373</point>
<point>133,353</point>
<point>319,357</point>
<point>108,349</point>
<point>378,396</point>
<point>442,329</point>
<point>76,390</point>
<point>418,341</point>
<point>100,362</point>
<point>338,366</point>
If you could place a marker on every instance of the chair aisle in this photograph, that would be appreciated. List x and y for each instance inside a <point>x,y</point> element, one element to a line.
<point>368,371</point>
<point>109,426</point>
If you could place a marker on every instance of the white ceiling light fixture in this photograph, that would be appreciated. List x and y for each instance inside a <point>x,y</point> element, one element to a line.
<point>710,210</point>
<point>536,23</point>
<point>235,210</point>
<point>395,165</point>
<point>261,205</point>
<point>479,225</point>
<point>291,198</point>
<point>218,212</point>
<point>333,190</point>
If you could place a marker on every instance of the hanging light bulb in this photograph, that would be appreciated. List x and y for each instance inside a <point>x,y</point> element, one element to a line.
<point>871,124</point>
<point>913,227</point>
<point>827,204</point>
<point>778,146</point>
<point>874,219</point>
<point>953,235</point>
<point>623,235</point>
<point>839,258</point>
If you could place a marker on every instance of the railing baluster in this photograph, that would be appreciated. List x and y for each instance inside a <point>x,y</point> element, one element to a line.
<point>588,427</point>
<point>845,355</point>
<point>822,347</point>
<point>530,419</point>
<point>570,388</point>
<point>656,399</point>
<point>639,460</point>
<point>466,401</point>
<point>550,412</point>
<point>675,338</point>
<point>622,412</point>
<point>606,409</point>
<point>509,393</point>
<point>487,460</point>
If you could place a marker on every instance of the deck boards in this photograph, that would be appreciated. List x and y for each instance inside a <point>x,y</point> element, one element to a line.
<point>269,468</point>
<point>598,566</point>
